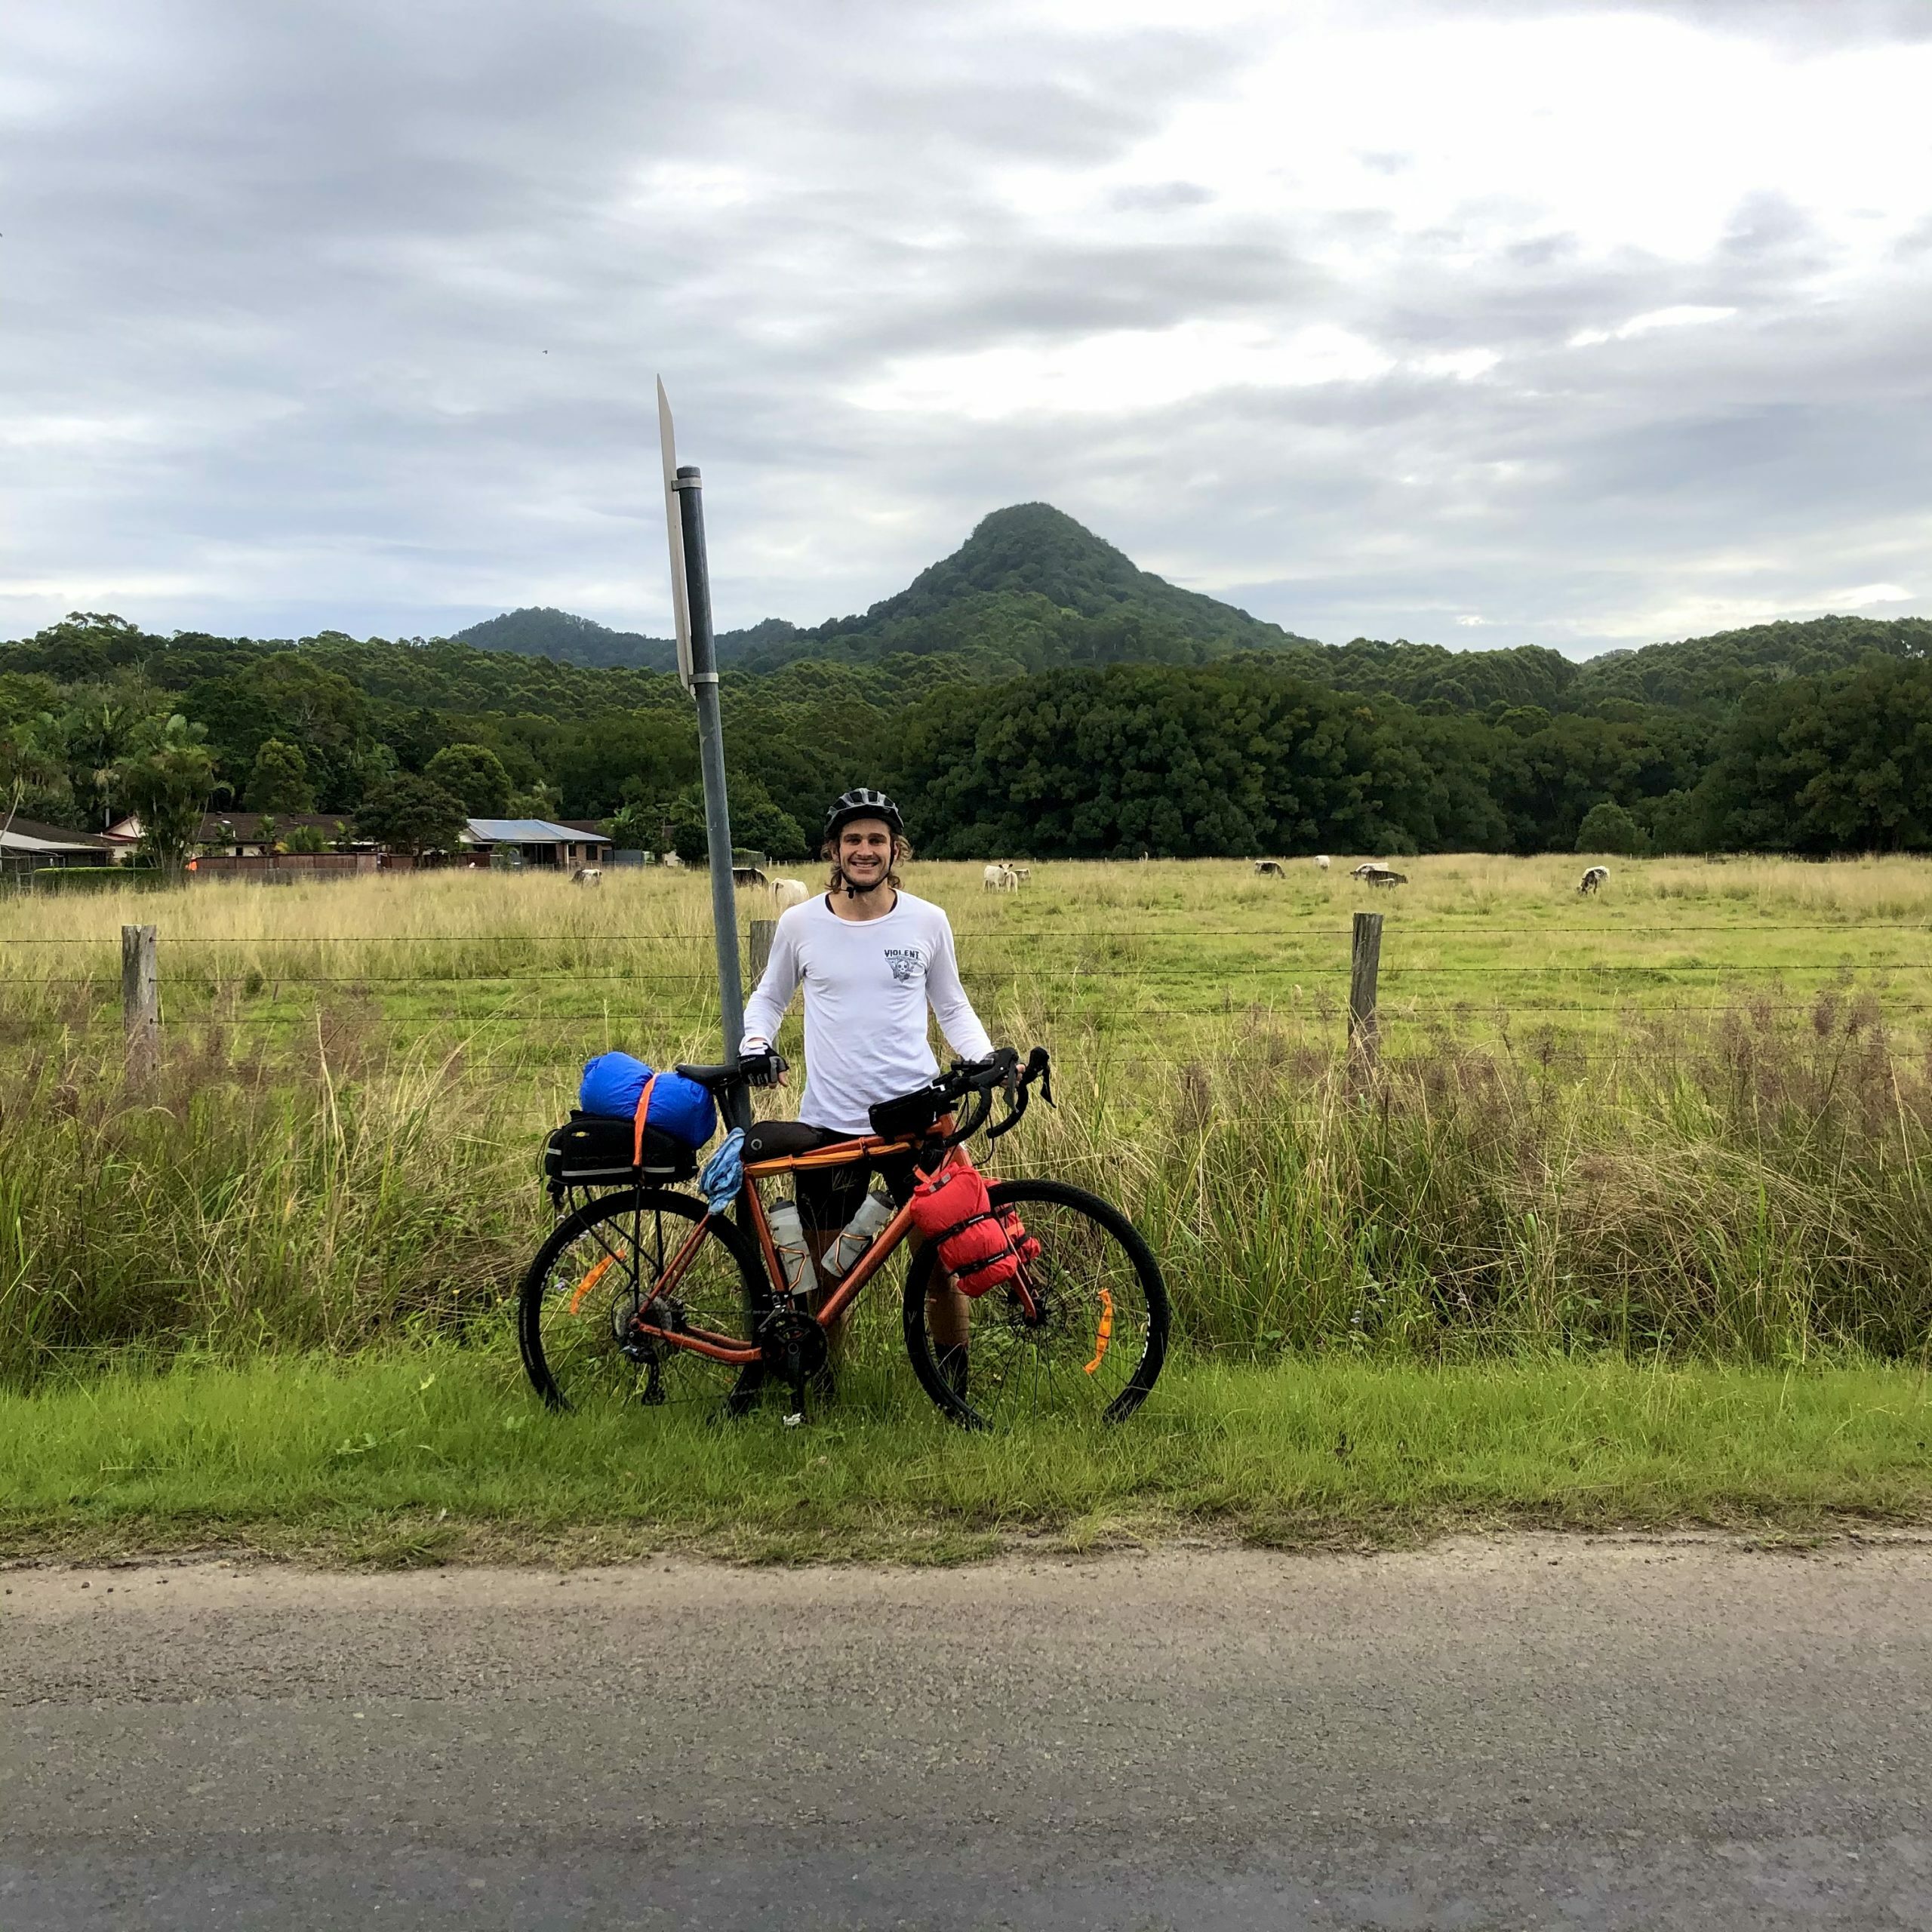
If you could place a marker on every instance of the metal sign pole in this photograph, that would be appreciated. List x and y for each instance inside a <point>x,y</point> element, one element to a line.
<point>697,663</point>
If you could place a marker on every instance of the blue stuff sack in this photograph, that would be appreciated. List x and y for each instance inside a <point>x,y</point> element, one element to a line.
<point>613,1083</point>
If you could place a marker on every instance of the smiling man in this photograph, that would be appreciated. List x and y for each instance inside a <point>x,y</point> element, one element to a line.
<point>872,960</point>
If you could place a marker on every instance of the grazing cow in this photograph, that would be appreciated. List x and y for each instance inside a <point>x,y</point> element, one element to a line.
<point>672,859</point>
<point>789,892</point>
<point>1372,872</point>
<point>1269,868</point>
<point>998,877</point>
<point>1591,879</point>
<point>1321,862</point>
<point>1022,873</point>
<point>1386,877</point>
<point>587,875</point>
<point>748,875</point>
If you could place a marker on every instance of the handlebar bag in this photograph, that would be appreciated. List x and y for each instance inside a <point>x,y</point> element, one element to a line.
<point>907,1116</point>
<point>976,1242</point>
<point>621,1087</point>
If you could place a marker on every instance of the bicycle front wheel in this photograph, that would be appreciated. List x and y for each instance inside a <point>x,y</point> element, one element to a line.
<point>603,1267</point>
<point>1095,1345</point>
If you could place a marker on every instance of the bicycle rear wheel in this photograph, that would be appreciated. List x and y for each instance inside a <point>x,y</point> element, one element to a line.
<point>603,1265</point>
<point>1101,1337</point>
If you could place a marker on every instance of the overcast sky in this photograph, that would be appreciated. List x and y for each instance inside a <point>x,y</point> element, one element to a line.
<point>1481,321</point>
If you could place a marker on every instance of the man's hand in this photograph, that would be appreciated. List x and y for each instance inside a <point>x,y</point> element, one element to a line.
<point>1003,1060</point>
<point>762,1066</point>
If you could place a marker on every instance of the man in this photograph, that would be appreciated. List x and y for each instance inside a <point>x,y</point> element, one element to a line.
<point>872,958</point>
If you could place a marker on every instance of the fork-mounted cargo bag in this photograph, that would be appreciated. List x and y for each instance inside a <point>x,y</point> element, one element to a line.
<point>980,1246</point>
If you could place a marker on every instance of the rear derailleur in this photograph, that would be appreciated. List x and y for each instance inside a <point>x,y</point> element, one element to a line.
<point>666,1314</point>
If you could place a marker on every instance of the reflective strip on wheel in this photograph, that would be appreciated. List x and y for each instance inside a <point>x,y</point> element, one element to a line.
<point>1106,1332</point>
<point>598,1272</point>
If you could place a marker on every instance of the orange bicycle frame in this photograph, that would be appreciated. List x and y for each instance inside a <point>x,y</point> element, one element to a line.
<point>838,1154</point>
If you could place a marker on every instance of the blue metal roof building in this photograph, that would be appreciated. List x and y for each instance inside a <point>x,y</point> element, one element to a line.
<point>541,841</point>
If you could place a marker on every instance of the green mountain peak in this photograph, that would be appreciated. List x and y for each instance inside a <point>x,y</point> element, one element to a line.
<point>1031,588</point>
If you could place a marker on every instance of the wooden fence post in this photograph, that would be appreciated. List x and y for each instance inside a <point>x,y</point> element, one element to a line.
<point>140,1000</point>
<point>761,947</point>
<point>1365,1042</point>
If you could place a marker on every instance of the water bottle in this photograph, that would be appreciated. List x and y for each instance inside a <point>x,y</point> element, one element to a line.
<point>856,1234</point>
<point>788,1236</point>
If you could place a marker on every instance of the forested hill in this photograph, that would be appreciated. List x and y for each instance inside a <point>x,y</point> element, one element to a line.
<point>540,631</point>
<point>1814,737</point>
<point>1705,675</point>
<point>1030,590</point>
<point>1710,674</point>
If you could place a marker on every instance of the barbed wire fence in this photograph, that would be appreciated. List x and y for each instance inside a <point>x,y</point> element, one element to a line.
<point>1383,995</point>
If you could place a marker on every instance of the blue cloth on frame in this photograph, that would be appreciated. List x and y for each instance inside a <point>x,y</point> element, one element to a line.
<point>724,1173</point>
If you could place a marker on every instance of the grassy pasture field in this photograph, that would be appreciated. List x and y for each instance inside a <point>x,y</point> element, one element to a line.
<point>1477,947</point>
<point>1681,1129</point>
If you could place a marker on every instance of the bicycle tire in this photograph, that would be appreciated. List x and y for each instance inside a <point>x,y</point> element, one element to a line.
<point>1015,1369</point>
<point>591,1272</point>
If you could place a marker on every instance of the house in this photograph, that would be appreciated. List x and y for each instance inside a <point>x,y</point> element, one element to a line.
<point>244,845</point>
<point>538,841</point>
<point>28,846</point>
<point>241,835</point>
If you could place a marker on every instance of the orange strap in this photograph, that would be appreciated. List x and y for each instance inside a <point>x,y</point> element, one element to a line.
<point>643,1109</point>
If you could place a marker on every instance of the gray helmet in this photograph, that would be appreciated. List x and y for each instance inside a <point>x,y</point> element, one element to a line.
<point>862,802</point>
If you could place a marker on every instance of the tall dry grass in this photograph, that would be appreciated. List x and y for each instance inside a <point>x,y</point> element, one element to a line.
<point>1760,1193</point>
<point>341,1143</point>
<point>1757,1190</point>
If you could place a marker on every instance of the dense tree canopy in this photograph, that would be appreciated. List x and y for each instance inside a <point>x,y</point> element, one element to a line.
<point>1034,693</point>
<point>475,776</point>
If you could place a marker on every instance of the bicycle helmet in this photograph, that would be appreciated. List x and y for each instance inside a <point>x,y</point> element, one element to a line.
<point>862,802</point>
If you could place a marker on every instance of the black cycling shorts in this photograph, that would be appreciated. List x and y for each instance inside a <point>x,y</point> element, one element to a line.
<point>828,1197</point>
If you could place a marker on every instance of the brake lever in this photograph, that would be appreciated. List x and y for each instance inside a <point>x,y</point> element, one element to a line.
<point>1040,1066</point>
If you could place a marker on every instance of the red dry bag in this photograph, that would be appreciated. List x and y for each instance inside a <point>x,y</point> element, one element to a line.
<point>980,1246</point>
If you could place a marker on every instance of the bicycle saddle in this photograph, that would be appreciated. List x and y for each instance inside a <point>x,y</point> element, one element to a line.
<point>708,1076</point>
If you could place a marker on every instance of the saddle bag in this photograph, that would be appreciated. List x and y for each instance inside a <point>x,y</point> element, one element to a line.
<point>981,1246</point>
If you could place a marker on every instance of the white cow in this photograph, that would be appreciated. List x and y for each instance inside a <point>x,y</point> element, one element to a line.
<point>1321,862</point>
<point>587,875</point>
<point>1022,873</point>
<point>998,877</point>
<point>1594,878</point>
<point>789,892</point>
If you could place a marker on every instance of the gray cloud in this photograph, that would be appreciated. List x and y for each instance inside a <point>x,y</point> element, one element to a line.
<point>346,315</point>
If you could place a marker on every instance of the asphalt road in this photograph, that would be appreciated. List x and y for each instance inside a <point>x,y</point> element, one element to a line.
<point>1531,1732</point>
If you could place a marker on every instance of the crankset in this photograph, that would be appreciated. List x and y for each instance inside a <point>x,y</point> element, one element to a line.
<point>792,1346</point>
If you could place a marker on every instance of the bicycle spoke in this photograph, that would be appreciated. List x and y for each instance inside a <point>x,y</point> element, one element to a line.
<point>605,1268</point>
<point>1101,1322</point>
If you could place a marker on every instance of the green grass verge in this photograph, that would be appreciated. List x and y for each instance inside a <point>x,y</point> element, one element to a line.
<point>411,1456</point>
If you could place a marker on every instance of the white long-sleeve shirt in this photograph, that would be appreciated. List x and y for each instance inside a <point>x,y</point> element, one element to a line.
<point>868,984</point>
